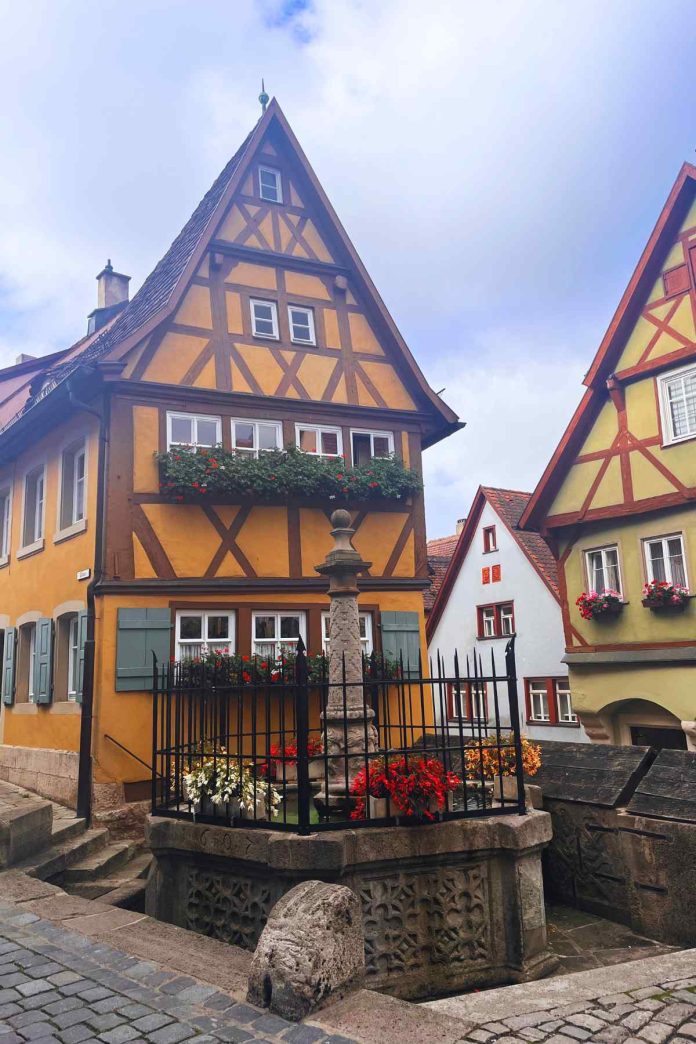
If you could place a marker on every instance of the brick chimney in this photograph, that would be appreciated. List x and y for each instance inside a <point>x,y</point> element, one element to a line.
<point>112,296</point>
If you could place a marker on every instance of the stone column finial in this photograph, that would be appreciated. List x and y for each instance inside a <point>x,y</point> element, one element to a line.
<point>347,718</point>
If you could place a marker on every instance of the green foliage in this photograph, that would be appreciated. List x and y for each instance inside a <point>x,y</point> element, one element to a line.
<point>204,474</point>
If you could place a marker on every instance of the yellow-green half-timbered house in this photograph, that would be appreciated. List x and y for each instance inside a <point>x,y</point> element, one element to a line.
<point>618,501</point>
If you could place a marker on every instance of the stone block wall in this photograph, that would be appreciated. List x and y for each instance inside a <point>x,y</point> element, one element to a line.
<point>626,848</point>
<point>50,773</point>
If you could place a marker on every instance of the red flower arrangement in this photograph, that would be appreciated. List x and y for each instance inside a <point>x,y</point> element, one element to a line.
<point>288,753</point>
<point>593,605</point>
<point>660,594</point>
<point>414,786</point>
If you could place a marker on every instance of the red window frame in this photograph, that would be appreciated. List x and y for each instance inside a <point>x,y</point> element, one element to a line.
<point>498,626</point>
<point>468,704</point>
<point>551,699</point>
<point>490,539</point>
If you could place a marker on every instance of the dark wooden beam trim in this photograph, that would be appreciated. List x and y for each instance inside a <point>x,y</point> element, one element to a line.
<point>239,585</point>
<point>270,257</point>
<point>151,545</point>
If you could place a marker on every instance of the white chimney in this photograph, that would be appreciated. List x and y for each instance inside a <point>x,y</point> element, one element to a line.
<point>461,522</point>
<point>112,287</point>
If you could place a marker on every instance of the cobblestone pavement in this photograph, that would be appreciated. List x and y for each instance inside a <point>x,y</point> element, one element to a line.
<point>665,1012</point>
<point>58,987</point>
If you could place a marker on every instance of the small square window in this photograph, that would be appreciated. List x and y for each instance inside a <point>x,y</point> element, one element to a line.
<point>301,321</point>
<point>201,631</point>
<point>193,430</point>
<point>270,185</point>
<point>367,445</point>
<point>277,634</point>
<point>323,442</point>
<point>253,437</point>
<point>264,319</point>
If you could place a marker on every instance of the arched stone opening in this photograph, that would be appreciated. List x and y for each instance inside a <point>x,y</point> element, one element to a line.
<point>643,723</point>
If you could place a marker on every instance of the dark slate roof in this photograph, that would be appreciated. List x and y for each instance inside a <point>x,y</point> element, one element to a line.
<point>440,551</point>
<point>159,285</point>
<point>594,773</point>
<point>510,504</point>
<point>668,791</point>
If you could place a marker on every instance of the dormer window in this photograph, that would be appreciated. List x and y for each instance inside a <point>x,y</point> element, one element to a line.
<point>270,186</point>
<point>264,319</point>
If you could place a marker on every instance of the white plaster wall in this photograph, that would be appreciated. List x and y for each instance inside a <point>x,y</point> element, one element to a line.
<point>540,644</point>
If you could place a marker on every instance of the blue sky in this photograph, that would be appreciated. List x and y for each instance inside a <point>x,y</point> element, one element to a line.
<point>499,167</point>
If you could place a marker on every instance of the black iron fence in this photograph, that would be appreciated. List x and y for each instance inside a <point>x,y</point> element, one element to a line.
<point>273,743</point>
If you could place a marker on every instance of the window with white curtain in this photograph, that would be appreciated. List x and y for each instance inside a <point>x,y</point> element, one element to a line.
<point>276,633</point>
<point>603,571</point>
<point>678,404</point>
<point>664,559</point>
<point>203,630</point>
<point>365,624</point>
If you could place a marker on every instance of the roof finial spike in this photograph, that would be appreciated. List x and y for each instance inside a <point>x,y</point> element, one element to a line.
<point>263,97</point>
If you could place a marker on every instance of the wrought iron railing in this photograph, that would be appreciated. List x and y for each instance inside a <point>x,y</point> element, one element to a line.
<point>243,742</point>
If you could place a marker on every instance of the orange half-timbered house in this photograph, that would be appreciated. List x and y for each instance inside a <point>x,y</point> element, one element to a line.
<point>618,500</point>
<point>258,330</point>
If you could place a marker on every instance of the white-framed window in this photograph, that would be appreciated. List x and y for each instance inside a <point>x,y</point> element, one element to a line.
<point>488,622</point>
<point>365,624</point>
<point>301,323</point>
<point>665,560</point>
<point>5,518</point>
<point>564,705</point>
<point>270,185</point>
<point>469,700</point>
<point>203,630</point>
<point>275,633</point>
<point>603,572</point>
<point>193,429</point>
<point>72,485</point>
<point>33,522</point>
<point>368,444</point>
<point>507,619</point>
<point>678,404</point>
<point>253,437</point>
<point>539,700</point>
<point>73,658</point>
<point>321,441</point>
<point>264,319</point>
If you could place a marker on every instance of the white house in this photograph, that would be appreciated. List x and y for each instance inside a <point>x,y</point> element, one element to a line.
<point>501,581</point>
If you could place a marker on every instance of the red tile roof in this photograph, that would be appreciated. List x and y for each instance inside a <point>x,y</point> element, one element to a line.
<point>440,551</point>
<point>510,504</point>
<point>442,547</point>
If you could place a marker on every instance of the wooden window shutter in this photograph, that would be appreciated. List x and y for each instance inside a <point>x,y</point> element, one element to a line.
<point>81,639</point>
<point>401,639</point>
<point>676,280</point>
<point>8,665</point>
<point>140,633</point>
<point>43,660</point>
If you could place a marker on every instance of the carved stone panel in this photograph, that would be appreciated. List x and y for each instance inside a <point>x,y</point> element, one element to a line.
<point>233,908</point>
<point>413,919</point>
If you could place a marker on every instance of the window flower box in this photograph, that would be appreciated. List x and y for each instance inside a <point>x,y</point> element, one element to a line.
<point>594,606</point>
<point>663,597</point>
<point>192,475</point>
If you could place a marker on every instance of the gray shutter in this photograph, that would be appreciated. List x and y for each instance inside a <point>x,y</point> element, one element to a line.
<point>8,665</point>
<point>401,639</point>
<point>81,638</point>
<point>43,660</point>
<point>140,633</point>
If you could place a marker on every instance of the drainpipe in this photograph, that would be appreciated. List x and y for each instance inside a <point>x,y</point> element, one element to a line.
<point>84,772</point>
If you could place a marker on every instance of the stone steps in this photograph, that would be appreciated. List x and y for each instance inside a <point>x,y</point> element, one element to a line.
<point>100,863</point>
<point>57,858</point>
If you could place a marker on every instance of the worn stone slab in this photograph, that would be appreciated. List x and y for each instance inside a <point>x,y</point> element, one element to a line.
<point>18,887</point>
<point>25,828</point>
<point>595,773</point>
<point>549,994</point>
<point>668,790</point>
<point>379,1019</point>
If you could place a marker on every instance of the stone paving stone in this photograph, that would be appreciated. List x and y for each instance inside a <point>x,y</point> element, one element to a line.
<point>304,1035</point>
<point>27,1018</point>
<point>171,1034</point>
<point>75,1034</point>
<point>657,1032</point>
<point>673,1014</point>
<point>120,1035</point>
<point>38,1029</point>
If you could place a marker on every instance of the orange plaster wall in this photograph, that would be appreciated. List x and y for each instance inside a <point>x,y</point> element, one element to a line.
<point>43,583</point>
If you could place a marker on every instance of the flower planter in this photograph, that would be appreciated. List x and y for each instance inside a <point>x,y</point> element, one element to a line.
<point>613,609</point>
<point>432,807</point>
<point>316,768</point>
<point>379,808</point>
<point>227,810</point>
<point>665,607</point>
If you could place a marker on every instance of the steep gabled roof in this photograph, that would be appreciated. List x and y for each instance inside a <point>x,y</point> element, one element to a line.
<point>613,342</point>
<point>508,505</point>
<point>440,551</point>
<point>161,291</point>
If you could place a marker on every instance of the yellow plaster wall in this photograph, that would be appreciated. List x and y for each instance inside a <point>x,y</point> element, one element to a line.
<point>47,579</point>
<point>635,624</point>
<point>146,443</point>
<point>600,689</point>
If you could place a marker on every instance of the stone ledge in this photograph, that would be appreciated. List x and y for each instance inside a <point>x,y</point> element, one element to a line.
<point>24,830</point>
<point>546,994</point>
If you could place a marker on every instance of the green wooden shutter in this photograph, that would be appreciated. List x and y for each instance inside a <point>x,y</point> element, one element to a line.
<point>8,665</point>
<point>81,637</point>
<point>43,660</point>
<point>401,639</point>
<point>140,633</point>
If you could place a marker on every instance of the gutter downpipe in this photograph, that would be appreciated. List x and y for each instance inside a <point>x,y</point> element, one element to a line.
<point>84,772</point>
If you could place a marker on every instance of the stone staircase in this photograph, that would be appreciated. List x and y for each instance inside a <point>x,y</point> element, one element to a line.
<point>47,841</point>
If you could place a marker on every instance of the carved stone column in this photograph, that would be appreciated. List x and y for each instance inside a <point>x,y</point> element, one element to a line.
<point>349,723</point>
